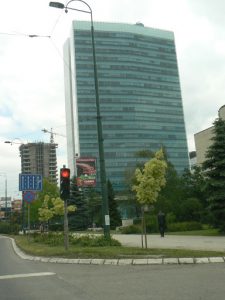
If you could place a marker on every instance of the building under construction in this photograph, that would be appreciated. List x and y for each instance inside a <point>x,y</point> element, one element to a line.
<point>39,158</point>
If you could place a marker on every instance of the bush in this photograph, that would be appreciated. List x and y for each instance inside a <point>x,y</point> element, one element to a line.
<point>56,227</point>
<point>137,221</point>
<point>131,229</point>
<point>184,226</point>
<point>151,223</point>
<point>7,228</point>
<point>93,241</point>
<point>57,239</point>
<point>51,239</point>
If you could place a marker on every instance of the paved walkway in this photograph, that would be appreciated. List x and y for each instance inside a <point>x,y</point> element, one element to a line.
<point>182,242</point>
<point>210,243</point>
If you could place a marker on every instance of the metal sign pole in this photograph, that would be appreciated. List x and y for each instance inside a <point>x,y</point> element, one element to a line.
<point>28,221</point>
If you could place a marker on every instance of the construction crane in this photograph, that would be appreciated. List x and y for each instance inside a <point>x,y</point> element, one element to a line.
<point>52,134</point>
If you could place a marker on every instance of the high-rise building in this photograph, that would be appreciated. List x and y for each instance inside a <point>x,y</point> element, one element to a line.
<point>39,158</point>
<point>139,92</point>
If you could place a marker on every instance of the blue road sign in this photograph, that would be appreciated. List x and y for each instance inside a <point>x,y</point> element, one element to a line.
<point>29,196</point>
<point>30,182</point>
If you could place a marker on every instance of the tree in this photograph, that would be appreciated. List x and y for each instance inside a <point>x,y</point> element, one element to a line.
<point>150,180</point>
<point>53,207</point>
<point>94,207</point>
<point>214,167</point>
<point>171,194</point>
<point>115,218</point>
<point>79,220</point>
<point>49,189</point>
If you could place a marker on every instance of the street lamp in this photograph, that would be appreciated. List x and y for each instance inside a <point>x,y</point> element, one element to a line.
<point>20,142</point>
<point>105,206</point>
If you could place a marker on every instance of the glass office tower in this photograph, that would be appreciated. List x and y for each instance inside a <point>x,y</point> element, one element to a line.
<point>139,91</point>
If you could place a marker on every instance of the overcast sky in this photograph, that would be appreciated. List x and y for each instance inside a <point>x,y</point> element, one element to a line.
<point>31,69</point>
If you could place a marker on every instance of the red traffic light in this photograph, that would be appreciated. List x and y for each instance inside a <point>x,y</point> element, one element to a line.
<point>65,173</point>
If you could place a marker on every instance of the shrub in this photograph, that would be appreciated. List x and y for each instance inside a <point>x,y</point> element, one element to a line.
<point>184,226</point>
<point>56,227</point>
<point>51,239</point>
<point>137,221</point>
<point>151,223</point>
<point>93,241</point>
<point>131,229</point>
<point>7,228</point>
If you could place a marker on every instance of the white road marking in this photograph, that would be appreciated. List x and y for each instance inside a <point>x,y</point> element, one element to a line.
<point>26,275</point>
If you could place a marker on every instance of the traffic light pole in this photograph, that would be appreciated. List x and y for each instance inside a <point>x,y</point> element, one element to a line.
<point>64,195</point>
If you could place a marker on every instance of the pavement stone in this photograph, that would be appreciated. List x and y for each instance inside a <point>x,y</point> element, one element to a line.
<point>186,260</point>
<point>125,262</point>
<point>140,261</point>
<point>202,260</point>
<point>85,261</point>
<point>111,262</point>
<point>167,261</point>
<point>97,261</point>
<point>216,259</point>
<point>155,261</point>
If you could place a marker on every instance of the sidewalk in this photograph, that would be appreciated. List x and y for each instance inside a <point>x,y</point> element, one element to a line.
<point>210,243</point>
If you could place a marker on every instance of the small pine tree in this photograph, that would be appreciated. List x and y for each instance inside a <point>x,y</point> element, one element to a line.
<point>79,219</point>
<point>214,167</point>
<point>115,218</point>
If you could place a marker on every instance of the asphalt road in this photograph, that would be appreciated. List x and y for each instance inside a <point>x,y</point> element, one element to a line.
<point>29,280</point>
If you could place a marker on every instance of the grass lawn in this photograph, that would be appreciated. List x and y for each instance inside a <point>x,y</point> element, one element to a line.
<point>40,249</point>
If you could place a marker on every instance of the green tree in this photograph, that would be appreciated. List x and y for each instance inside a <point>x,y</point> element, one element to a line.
<point>49,189</point>
<point>115,218</point>
<point>78,220</point>
<point>53,207</point>
<point>94,207</point>
<point>214,167</point>
<point>171,194</point>
<point>150,180</point>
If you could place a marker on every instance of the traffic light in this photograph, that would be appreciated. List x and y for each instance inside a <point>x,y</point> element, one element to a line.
<point>64,183</point>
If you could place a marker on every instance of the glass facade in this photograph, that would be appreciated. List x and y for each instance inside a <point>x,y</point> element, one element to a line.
<point>139,91</point>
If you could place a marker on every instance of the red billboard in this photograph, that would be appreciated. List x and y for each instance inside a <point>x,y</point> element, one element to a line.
<point>86,171</point>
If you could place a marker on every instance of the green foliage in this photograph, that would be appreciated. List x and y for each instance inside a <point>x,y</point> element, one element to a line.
<point>50,238</point>
<point>190,210</point>
<point>115,218</point>
<point>93,241</point>
<point>8,228</point>
<point>57,239</point>
<point>131,229</point>
<point>184,226</point>
<point>94,207</point>
<point>151,223</point>
<point>53,207</point>
<point>49,189</point>
<point>80,219</point>
<point>150,179</point>
<point>214,167</point>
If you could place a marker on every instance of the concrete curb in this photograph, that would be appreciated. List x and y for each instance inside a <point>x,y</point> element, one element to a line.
<point>119,262</point>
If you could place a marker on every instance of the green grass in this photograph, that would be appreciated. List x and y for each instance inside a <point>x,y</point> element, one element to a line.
<point>39,249</point>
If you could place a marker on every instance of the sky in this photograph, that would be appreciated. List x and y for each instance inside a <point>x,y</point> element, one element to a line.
<point>32,76</point>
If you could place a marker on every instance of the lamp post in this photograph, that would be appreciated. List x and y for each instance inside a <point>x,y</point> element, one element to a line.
<point>105,207</point>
